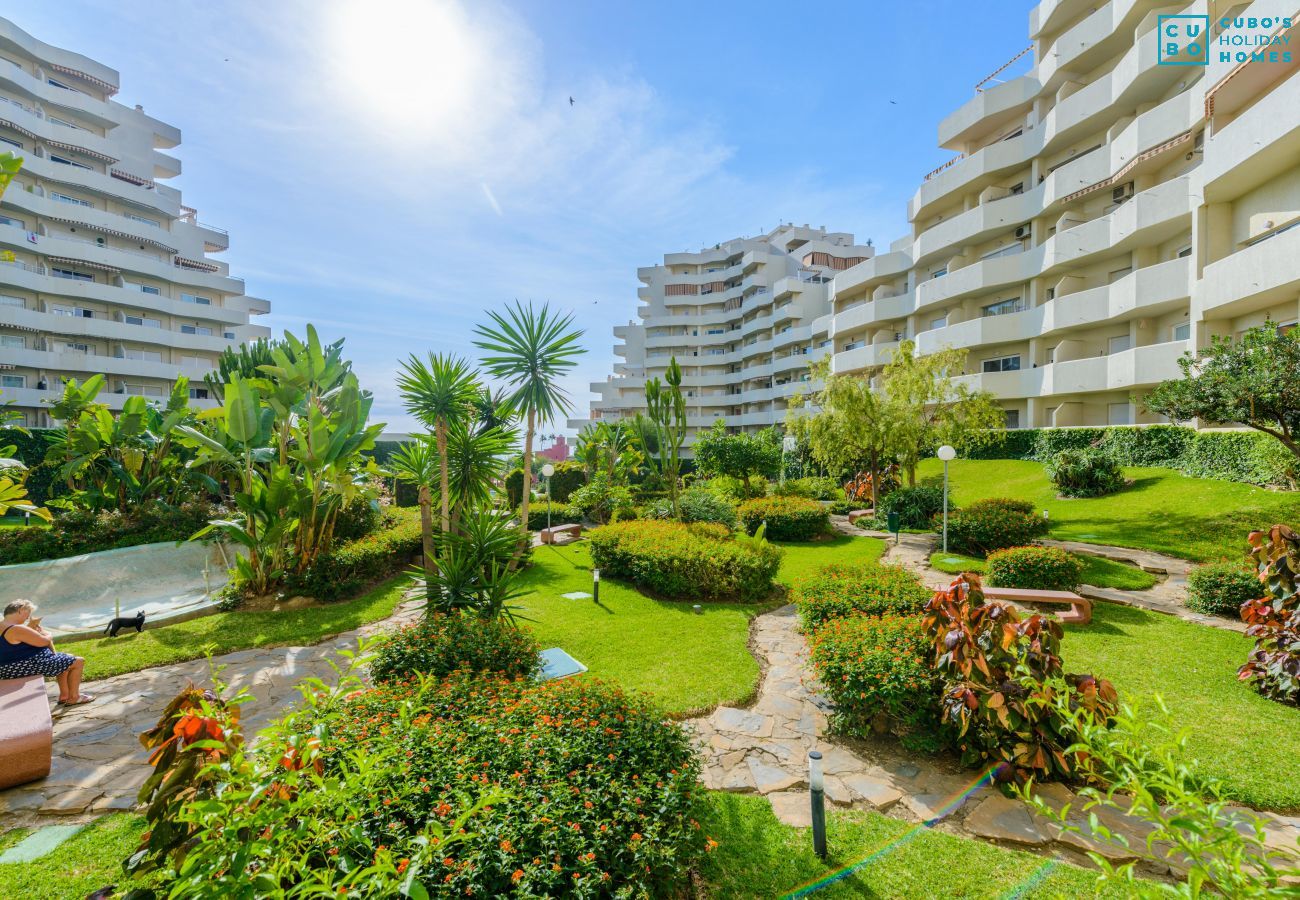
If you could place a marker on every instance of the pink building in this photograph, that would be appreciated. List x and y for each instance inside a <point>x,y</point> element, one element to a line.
<point>557,452</point>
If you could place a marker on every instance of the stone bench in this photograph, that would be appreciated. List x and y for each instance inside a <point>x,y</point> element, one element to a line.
<point>26,731</point>
<point>550,534</point>
<point>860,514</point>
<point>1079,613</point>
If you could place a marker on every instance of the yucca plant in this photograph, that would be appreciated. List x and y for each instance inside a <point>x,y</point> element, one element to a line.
<point>442,393</point>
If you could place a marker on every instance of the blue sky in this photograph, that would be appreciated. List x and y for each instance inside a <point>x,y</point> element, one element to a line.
<point>388,169</point>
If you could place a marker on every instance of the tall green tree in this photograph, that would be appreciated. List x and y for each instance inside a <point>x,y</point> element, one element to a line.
<point>416,462</point>
<point>442,392</point>
<point>928,408</point>
<point>1254,381</point>
<point>530,349</point>
<point>666,410</point>
<point>737,455</point>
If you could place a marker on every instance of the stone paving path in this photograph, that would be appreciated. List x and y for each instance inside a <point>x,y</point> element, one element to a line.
<point>98,763</point>
<point>1166,596</point>
<point>764,748</point>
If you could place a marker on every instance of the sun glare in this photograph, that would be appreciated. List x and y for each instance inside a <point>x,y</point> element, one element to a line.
<point>408,64</point>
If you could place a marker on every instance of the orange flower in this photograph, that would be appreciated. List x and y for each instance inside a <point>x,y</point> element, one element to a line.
<point>516,875</point>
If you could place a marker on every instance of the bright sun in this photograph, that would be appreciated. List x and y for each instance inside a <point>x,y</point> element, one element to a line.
<point>411,65</point>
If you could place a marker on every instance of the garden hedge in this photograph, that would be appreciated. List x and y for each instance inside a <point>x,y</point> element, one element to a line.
<point>864,589</point>
<point>75,532</point>
<point>685,562</point>
<point>444,643</point>
<point>1247,456</point>
<point>561,514</point>
<point>787,518</point>
<point>353,565</point>
<point>1036,568</point>
<point>1221,588</point>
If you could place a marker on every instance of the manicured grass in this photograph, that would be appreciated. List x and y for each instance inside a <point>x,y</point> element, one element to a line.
<point>227,632</point>
<point>1191,518</point>
<point>90,859</point>
<point>689,661</point>
<point>1235,734</point>
<point>1098,572</point>
<point>757,856</point>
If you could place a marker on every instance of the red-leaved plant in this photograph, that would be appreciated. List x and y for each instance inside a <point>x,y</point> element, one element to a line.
<point>1274,619</point>
<point>996,668</point>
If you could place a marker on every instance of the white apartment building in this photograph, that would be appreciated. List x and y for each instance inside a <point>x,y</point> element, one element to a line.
<point>1104,213</point>
<point>103,270</point>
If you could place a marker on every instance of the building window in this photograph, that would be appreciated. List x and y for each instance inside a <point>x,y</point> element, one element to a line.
<point>13,381</point>
<point>144,390</point>
<point>1119,414</point>
<point>143,321</point>
<point>60,84</point>
<point>64,122</point>
<point>1285,328</point>
<point>15,302</point>
<point>77,312</point>
<point>197,362</point>
<point>13,342</point>
<point>59,272</point>
<point>1002,364</point>
<point>1003,307</point>
<point>204,301</point>
<point>64,161</point>
<point>196,329</point>
<point>143,221</point>
<point>143,355</point>
<point>1183,332</point>
<point>198,393</point>
<point>75,347</point>
<point>939,273</point>
<point>150,289</point>
<point>938,323</point>
<point>1119,344</point>
<point>1012,418</point>
<point>64,198</point>
<point>10,220</point>
<point>12,143</point>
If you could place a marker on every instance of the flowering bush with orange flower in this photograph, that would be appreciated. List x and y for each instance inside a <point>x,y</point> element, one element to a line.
<point>863,589</point>
<point>443,643</point>
<point>879,673</point>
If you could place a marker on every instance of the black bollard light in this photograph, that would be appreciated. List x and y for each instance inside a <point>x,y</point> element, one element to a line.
<point>817,791</point>
<point>595,585</point>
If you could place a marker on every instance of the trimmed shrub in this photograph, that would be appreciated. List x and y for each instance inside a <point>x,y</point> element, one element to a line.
<point>697,504</point>
<point>568,477</point>
<point>352,566</point>
<point>842,507</point>
<point>441,644</point>
<point>916,506</point>
<point>734,489</point>
<point>1247,456</point>
<point>515,488</point>
<point>601,502</point>
<point>1084,473</point>
<point>864,589</point>
<point>788,518</point>
<point>75,532</point>
<point>561,514</point>
<point>878,673</point>
<point>1148,445</point>
<point>812,487</point>
<point>1037,568</point>
<point>687,562</point>
<point>361,516</point>
<point>1221,588</point>
<point>993,524</point>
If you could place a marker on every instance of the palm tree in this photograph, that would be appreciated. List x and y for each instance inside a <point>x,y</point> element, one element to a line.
<point>477,461</point>
<point>530,350</point>
<point>414,462</point>
<point>492,410</point>
<point>439,392</point>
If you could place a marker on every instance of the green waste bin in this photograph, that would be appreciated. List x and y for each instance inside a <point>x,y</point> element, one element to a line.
<point>893,520</point>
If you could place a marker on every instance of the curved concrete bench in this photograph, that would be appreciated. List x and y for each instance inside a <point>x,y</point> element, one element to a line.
<point>26,731</point>
<point>860,514</point>
<point>550,534</point>
<point>1079,613</point>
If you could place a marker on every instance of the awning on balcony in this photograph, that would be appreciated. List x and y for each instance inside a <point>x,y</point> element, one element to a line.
<point>198,265</point>
<point>1122,174</point>
<point>20,129</point>
<point>75,149</point>
<point>104,86</point>
<point>83,262</point>
<point>131,179</point>
<point>115,233</point>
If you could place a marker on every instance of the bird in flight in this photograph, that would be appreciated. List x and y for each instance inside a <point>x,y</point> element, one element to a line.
<point>570,101</point>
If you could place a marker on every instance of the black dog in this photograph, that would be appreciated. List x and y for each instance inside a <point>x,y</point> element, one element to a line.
<point>122,622</point>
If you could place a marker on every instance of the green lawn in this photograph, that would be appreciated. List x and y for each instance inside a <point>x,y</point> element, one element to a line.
<point>1236,734</point>
<point>1191,518</point>
<point>1098,572</point>
<point>87,861</point>
<point>227,632</point>
<point>757,856</point>
<point>689,661</point>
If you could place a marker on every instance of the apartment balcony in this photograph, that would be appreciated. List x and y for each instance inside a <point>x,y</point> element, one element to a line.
<point>872,272</point>
<point>55,361</point>
<point>59,137</point>
<point>85,106</point>
<point>798,335</point>
<point>1258,144</point>
<point>39,280</point>
<point>988,109</point>
<point>30,204</point>
<point>822,324</point>
<point>873,312</point>
<point>757,348</point>
<point>1137,367</point>
<point>118,259</point>
<point>979,277</point>
<point>32,398</point>
<point>106,329</point>
<point>868,356</point>
<point>1265,274</point>
<point>1091,41</point>
<point>163,199</point>
<point>1048,15</point>
<point>1149,217</point>
<point>975,226</point>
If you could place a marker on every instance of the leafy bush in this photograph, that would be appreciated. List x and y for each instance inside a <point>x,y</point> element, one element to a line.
<point>362,515</point>
<point>787,518</point>
<point>916,506</point>
<point>515,488</point>
<point>80,531</point>
<point>697,504</point>
<point>864,589</point>
<point>1084,473</point>
<point>561,514</point>
<point>465,786</point>
<point>1000,673</point>
<point>441,644</point>
<point>600,501</point>
<point>812,487</point>
<point>1037,568</point>
<point>1221,588</point>
<point>1247,456</point>
<point>353,565</point>
<point>878,673</point>
<point>993,524</point>
<point>688,562</point>
<point>734,489</point>
<point>1274,665</point>
<point>842,507</point>
<point>568,477</point>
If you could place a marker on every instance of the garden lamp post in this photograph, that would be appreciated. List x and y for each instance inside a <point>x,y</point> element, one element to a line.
<point>547,471</point>
<point>947,454</point>
<point>595,585</point>
<point>817,794</point>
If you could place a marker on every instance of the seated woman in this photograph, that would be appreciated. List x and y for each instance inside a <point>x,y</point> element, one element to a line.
<point>26,651</point>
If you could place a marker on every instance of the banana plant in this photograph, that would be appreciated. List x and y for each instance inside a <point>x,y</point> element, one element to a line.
<point>13,474</point>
